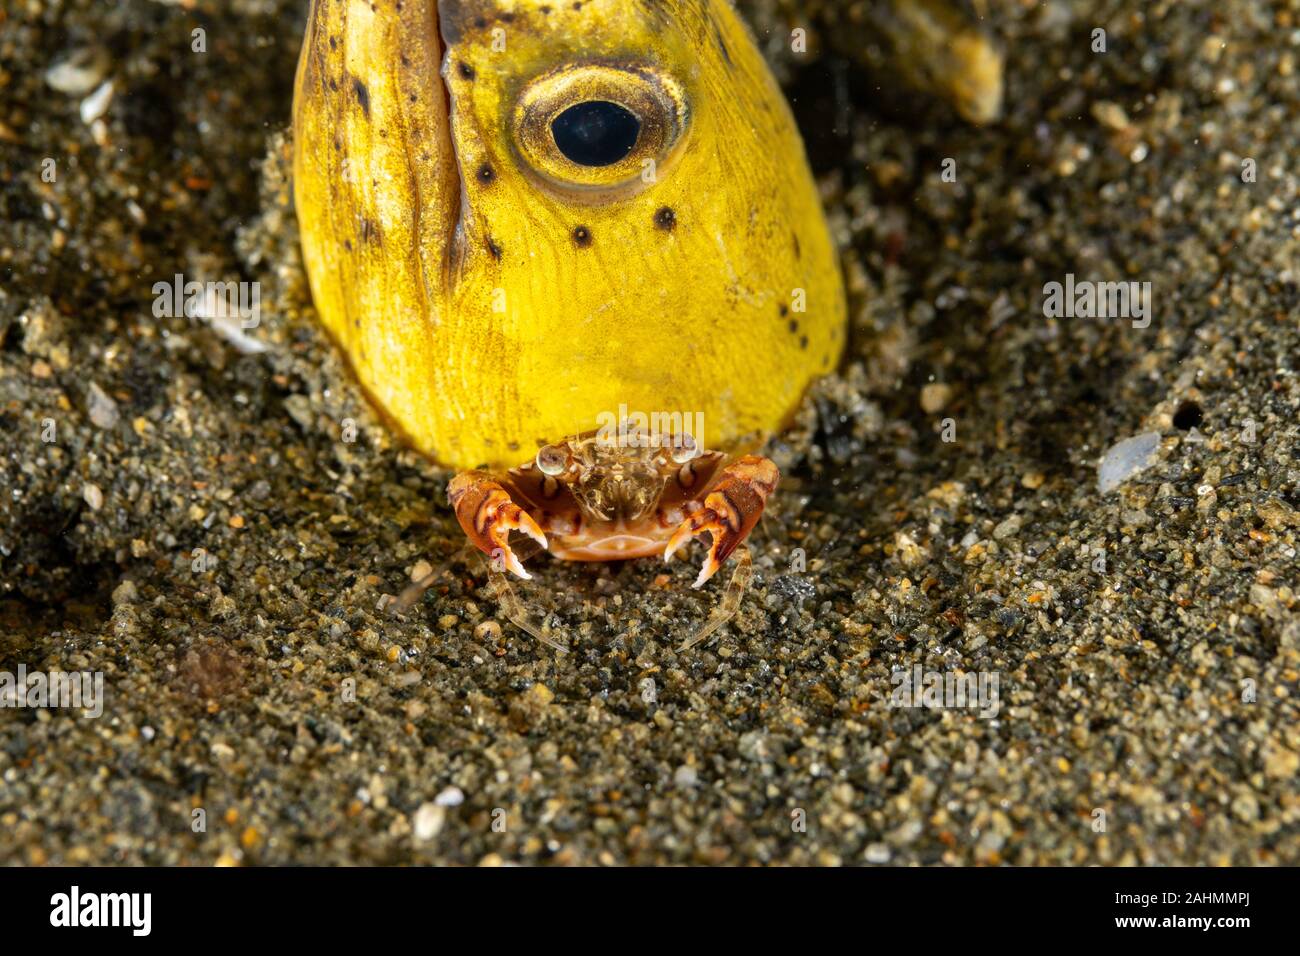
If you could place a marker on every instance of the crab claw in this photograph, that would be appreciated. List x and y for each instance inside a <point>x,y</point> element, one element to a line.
<point>725,541</point>
<point>731,509</point>
<point>488,515</point>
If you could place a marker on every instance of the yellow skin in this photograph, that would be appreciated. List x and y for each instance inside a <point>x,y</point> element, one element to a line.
<point>494,295</point>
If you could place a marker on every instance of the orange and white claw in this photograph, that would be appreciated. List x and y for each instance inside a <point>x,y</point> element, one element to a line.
<point>505,516</point>
<point>705,520</point>
<point>488,515</point>
<point>731,509</point>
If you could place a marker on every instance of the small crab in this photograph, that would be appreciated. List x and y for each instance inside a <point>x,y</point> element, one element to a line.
<point>610,497</point>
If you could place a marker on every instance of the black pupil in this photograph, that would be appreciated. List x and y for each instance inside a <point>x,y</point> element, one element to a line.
<point>596,133</point>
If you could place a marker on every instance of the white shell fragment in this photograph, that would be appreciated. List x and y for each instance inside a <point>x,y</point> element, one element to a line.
<point>96,104</point>
<point>1125,459</point>
<point>79,73</point>
<point>218,313</point>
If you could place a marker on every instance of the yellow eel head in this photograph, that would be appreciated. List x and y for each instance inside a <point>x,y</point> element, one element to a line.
<point>521,217</point>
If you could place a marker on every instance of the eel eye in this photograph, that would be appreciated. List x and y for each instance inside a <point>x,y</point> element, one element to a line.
<point>595,133</point>
<point>552,460</point>
<point>593,127</point>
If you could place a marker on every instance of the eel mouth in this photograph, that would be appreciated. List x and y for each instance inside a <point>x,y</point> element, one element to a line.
<point>445,30</point>
<point>373,143</point>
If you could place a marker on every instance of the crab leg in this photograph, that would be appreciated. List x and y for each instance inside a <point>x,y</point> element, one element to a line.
<point>415,590</point>
<point>517,613</point>
<point>731,508</point>
<point>730,602</point>
<point>488,515</point>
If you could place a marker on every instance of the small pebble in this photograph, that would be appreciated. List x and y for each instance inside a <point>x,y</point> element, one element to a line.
<point>93,497</point>
<point>451,797</point>
<point>428,821</point>
<point>1007,527</point>
<point>125,593</point>
<point>1110,115</point>
<point>877,853</point>
<point>102,409</point>
<point>934,397</point>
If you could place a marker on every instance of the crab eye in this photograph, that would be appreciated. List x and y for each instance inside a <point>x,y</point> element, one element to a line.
<point>684,449</point>
<point>552,460</point>
<point>598,127</point>
<point>595,133</point>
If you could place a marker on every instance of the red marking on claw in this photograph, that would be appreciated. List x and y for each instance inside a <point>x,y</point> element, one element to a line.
<point>730,512</point>
<point>725,540</point>
<point>487,515</point>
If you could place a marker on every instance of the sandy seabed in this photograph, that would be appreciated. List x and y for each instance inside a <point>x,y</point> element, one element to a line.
<point>199,534</point>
